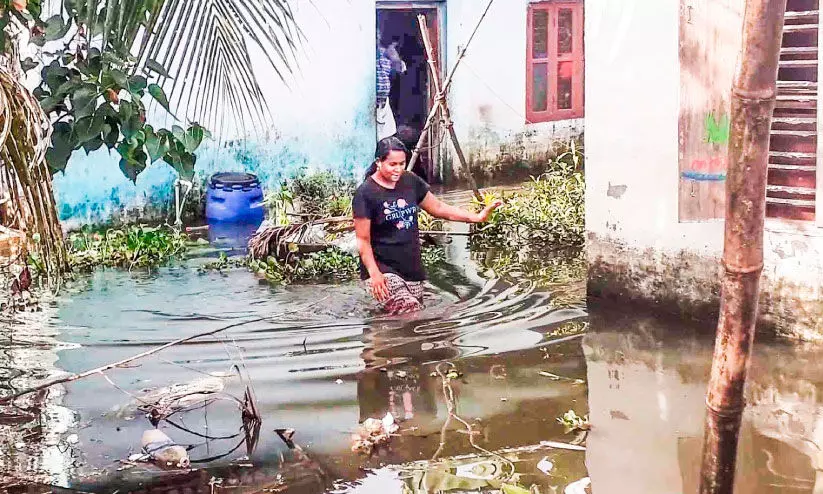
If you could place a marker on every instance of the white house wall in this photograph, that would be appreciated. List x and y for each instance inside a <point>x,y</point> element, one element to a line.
<point>488,99</point>
<point>637,247</point>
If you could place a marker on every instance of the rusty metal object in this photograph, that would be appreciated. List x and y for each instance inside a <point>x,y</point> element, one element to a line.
<point>753,99</point>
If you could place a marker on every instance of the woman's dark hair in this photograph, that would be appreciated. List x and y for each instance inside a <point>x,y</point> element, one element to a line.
<point>384,147</point>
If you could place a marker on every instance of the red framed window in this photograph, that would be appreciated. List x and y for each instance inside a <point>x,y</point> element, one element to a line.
<point>554,61</point>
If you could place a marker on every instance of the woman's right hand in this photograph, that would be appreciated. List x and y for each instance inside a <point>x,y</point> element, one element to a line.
<point>379,289</point>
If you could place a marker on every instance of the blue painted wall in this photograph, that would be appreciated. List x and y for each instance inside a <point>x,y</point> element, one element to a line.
<point>322,120</point>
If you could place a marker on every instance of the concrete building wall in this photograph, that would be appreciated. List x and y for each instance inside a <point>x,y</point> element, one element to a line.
<point>488,100</point>
<point>638,247</point>
<point>323,120</point>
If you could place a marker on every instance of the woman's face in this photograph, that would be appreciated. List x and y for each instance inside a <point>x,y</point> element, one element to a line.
<point>392,166</point>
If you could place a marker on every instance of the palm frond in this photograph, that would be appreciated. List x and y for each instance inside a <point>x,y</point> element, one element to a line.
<point>200,50</point>
<point>204,48</point>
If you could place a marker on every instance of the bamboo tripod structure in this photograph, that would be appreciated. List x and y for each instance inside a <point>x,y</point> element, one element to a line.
<point>440,107</point>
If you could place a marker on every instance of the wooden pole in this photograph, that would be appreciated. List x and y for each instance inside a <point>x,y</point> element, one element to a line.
<point>444,107</point>
<point>753,99</point>
<point>421,141</point>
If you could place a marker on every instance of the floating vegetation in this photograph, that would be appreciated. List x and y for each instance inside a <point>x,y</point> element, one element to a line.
<point>127,247</point>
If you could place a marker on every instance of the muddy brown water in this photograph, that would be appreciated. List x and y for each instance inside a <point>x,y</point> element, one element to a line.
<point>320,362</point>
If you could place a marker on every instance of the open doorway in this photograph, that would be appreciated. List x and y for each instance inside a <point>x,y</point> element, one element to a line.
<point>411,94</point>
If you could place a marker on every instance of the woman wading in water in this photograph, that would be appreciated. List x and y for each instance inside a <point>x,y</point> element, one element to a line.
<point>385,208</point>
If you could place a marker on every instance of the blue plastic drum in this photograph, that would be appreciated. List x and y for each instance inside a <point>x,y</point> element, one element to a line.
<point>234,198</point>
<point>234,207</point>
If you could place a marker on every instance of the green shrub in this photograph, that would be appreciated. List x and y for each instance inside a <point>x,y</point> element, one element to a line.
<point>548,212</point>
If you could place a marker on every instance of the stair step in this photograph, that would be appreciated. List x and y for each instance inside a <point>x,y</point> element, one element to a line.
<point>792,157</point>
<point>785,189</point>
<point>796,97</point>
<point>802,14</point>
<point>798,50</point>
<point>794,120</point>
<point>795,103</point>
<point>792,168</point>
<point>794,133</point>
<point>796,64</point>
<point>799,28</point>
<point>797,84</point>
<point>791,202</point>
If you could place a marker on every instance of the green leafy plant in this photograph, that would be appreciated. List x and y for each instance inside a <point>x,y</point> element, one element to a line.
<point>323,194</point>
<point>433,256</point>
<point>224,263</point>
<point>549,211</point>
<point>113,54</point>
<point>573,422</point>
<point>329,265</point>
<point>94,103</point>
<point>133,246</point>
<point>278,203</point>
<point>429,223</point>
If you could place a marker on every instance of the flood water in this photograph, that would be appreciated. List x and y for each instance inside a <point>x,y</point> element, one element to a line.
<point>320,361</point>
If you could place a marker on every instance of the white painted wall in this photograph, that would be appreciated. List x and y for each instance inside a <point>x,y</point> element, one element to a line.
<point>632,105</point>
<point>323,117</point>
<point>488,99</point>
<point>632,109</point>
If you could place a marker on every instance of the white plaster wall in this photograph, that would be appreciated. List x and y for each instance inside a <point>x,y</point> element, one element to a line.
<point>632,110</point>
<point>632,105</point>
<point>488,98</point>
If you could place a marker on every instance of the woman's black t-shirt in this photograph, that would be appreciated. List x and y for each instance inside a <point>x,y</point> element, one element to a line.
<point>395,236</point>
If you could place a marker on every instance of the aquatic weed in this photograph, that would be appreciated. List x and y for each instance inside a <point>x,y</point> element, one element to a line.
<point>127,247</point>
<point>329,265</point>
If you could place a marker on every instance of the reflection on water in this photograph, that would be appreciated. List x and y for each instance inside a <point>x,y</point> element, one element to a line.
<point>319,368</point>
<point>320,362</point>
<point>647,381</point>
<point>34,441</point>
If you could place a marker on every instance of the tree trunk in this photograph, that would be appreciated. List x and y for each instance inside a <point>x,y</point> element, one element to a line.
<point>25,135</point>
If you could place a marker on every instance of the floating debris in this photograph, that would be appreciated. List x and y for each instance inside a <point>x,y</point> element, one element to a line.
<point>555,377</point>
<point>574,422</point>
<point>545,465</point>
<point>372,434</point>
<point>163,451</point>
<point>286,435</point>
<point>559,445</point>
<point>582,486</point>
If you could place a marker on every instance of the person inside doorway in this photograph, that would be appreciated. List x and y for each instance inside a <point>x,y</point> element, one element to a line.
<point>389,63</point>
<point>385,209</point>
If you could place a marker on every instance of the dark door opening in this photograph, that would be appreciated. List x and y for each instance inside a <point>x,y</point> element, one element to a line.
<point>410,96</point>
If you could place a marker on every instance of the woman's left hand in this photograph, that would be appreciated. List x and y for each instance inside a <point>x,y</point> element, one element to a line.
<point>483,215</point>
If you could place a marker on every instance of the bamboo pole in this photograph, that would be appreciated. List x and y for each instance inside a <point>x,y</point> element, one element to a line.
<point>421,141</point>
<point>753,99</point>
<point>444,107</point>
